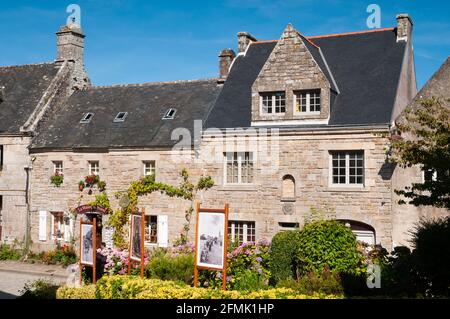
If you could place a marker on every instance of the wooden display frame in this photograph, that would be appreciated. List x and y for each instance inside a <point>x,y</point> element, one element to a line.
<point>94,249</point>
<point>130,259</point>
<point>225,244</point>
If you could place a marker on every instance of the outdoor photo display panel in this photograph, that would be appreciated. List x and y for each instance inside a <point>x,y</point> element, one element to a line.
<point>211,240</point>
<point>136,237</point>
<point>87,244</point>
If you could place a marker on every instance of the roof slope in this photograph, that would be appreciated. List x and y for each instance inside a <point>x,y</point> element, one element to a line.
<point>24,86</point>
<point>366,67</point>
<point>146,104</point>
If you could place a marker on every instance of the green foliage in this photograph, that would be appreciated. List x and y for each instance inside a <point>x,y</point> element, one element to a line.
<point>9,252</point>
<point>329,244</point>
<point>39,289</point>
<point>427,144</point>
<point>133,287</point>
<point>148,185</point>
<point>84,292</point>
<point>326,283</point>
<point>431,253</point>
<point>175,268</point>
<point>248,281</point>
<point>63,255</point>
<point>57,179</point>
<point>282,255</point>
<point>102,200</point>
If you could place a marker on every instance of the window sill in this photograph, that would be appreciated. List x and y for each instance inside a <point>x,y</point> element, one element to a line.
<point>238,187</point>
<point>287,199</point>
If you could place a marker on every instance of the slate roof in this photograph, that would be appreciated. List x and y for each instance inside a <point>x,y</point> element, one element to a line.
<point>366,67</point>
<point>146,104</point>
<point>24,86</point>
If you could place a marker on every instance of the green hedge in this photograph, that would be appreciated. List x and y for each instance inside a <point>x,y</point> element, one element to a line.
<point>282,255</point>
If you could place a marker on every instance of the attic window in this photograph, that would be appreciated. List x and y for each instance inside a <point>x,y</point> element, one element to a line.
<point>170,114</point>
<point>120,117</point>
<point>87,118</point>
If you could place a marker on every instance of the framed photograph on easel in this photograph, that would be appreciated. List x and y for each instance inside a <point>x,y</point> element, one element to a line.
<point>136,248</point>
<point>88,247</point>
<point>211,241</point>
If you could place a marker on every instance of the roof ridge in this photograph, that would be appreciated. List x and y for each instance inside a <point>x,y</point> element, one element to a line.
<point>151,83</point>
<point>25,65</point>
<point>330,35</point>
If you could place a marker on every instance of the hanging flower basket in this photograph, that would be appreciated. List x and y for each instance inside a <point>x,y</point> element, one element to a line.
<point>57,179</point>
<point>81,185</point>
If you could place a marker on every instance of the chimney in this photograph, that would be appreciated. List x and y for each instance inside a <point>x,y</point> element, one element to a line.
<point>226,57</point>
<point>404,27</point>
<point>244,39</point>
<point>70,42</point>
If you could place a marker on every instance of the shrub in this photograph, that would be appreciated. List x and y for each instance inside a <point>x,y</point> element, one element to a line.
<point>167,267</point>
<point>63,255</point>
<point>328,244</point>
<point>9,252</point>
<point>57,179</point>
<point>84,292</point>
<point>39,289</point>
<point>114,261</point>
<point>431,254</point>
<point>132,287</point>
<point>282,255</point>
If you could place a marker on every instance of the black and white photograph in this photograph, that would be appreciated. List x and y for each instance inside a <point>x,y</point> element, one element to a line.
<point>210,248</point>
<point>87,247</point>
<point>136,237</point>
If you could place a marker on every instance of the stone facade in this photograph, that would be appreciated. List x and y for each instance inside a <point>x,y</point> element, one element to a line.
<point>289,68</point>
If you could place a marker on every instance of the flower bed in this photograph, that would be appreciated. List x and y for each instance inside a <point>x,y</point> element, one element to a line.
<point>132,287</point>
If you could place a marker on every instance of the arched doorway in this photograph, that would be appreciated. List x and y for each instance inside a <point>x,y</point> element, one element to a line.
<point>362,231</point>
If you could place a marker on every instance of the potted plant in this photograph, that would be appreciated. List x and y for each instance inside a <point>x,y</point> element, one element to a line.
<point>57,179</point>
<point>81,185</point>
<point>101,186</point>
<point>91,180</point>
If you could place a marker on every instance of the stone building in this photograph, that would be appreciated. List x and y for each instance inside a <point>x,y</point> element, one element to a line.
<point>291,129</point>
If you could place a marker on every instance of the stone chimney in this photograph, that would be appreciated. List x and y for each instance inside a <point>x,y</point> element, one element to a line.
<point>226,57</point>
<point>404,27</point>
<point>244,39</point>
<point>70,42</point>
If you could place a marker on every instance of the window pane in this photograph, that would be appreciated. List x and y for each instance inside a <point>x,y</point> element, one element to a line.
<point>280,102</point>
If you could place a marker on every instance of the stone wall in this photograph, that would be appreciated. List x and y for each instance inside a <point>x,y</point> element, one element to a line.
<point>304,156</point>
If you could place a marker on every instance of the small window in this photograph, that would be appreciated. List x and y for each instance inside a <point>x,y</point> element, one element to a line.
<point>94,167</point>
<point>87,118</point>
<point>170,114</point>
<point>58,168</point>
<point>239,168</point>
<point>273,102</point>
<point>149,168</point>
<point>120,117</point>
<point>307,101</point>
<point>151,229</point>
<point>242,232</point>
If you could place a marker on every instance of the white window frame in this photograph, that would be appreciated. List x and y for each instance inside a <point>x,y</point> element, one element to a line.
<point>149,229</point>
<point>56,169</point>
<point>147,173</point>
<point>90,168</point>
<point>273,95</point>
<point>347,169</point>
<point>61,227</point>
<point>308,102</point>
<point>245,224</point>
<point>240,158</point>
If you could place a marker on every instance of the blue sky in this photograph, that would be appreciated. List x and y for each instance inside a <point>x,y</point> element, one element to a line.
<point>132,41</point>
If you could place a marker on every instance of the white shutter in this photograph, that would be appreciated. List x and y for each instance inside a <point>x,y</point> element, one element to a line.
<point>163,231</point>
<point>43,225</point>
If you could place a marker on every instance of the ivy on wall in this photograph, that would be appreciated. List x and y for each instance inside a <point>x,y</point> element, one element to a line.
<point>147,185</point>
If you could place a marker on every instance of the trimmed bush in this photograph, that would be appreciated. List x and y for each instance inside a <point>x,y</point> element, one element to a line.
<point>85,292</point>
<point>328,244</point>
<point>167,267</point>
<point>8,252</point>
<point>132,287</point>
<point>282,255</point>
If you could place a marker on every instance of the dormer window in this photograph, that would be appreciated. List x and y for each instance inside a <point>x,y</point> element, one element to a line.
<point>120,117</point>
<point>86,118</point>
<point>170,114</point>
<point>273,102</point>
<point>307,102</point>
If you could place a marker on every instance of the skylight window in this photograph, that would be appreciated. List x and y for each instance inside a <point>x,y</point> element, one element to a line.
<point>87,118</point>
<point>170,114</point>
<point>120,117</point>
